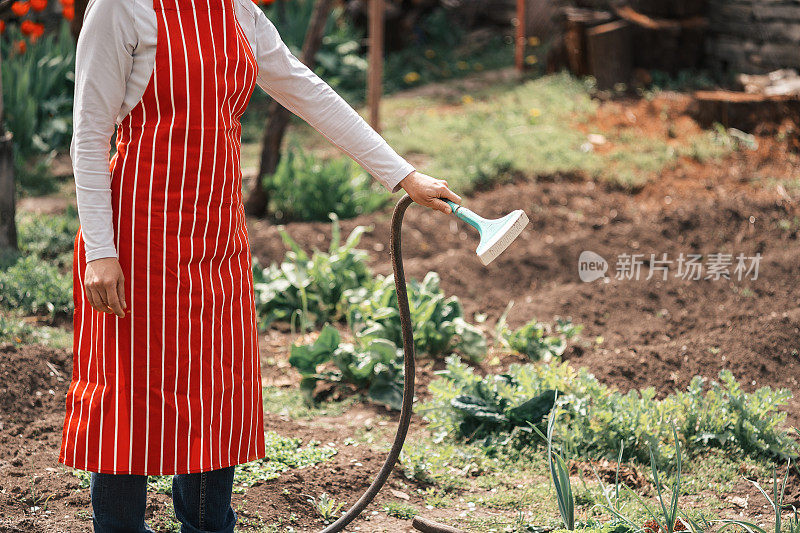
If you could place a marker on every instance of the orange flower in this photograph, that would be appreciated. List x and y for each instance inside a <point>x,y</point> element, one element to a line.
<point>66,3</point>
<point>38,5</point>
<point>69,12</point>
<point>21,47</point>
<point>20,8</point>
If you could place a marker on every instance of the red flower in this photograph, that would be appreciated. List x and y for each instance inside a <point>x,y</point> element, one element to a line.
<point>20,8</point>
<point>69,12</point>
<point>38,5</point>
<point>33,29</point>
<point>21,47</point>
<point>2,26</point>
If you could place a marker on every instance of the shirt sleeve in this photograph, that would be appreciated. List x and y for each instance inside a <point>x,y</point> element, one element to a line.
<point>301,91</point>
<point>103,62</point>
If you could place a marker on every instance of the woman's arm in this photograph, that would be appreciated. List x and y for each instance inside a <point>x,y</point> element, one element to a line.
<point>103,63</point>
<point>301,91</point>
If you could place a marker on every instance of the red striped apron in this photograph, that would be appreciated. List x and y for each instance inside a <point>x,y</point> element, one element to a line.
<point>175,386</point>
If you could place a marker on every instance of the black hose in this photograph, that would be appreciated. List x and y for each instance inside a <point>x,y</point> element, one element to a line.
<point>408,387</point>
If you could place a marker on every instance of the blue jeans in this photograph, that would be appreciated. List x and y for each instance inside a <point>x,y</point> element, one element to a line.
<point>202,502</point>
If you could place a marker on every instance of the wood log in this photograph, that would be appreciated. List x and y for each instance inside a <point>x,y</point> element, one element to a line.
<point>745,111</point>
<point>609,49</point>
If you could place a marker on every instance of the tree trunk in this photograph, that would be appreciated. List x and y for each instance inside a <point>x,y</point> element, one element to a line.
<point>257,200</point>
<point>77,20</point>
<point>8,227</point>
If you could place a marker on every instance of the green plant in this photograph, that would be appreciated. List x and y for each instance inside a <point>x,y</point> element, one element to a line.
<point>438,322</point>
<point>538,340</point>
<point>614,507</point>
<point>50,237</point>
<point>490,409</point>
<point>669,513</point>
<point>15,331</point>
<point>325,506</point>
<point>670,516</point>
<point>308,289</point>
<point>37,97</point>
<point>559,474</point>
<point>305,187</point>
<point>31,286</point>
<point>598,418</point>
<point>375,365</point>
<point>440,50</point>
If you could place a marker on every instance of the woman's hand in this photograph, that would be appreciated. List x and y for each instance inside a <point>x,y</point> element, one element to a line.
<point>105,286</point>
<point>428,191</point>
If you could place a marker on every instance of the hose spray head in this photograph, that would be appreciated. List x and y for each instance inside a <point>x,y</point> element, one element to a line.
<point>496,234</point>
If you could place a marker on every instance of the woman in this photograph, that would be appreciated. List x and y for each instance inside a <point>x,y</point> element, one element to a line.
<point>166,373</point>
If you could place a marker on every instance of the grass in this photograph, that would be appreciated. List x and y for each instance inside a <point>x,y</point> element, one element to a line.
<point>18,331</point>
<point>531,128</point>
<point>492,491</point>
<point>290,402</point>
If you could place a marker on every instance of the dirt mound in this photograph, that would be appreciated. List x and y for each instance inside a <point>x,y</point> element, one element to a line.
<point>34,381</point>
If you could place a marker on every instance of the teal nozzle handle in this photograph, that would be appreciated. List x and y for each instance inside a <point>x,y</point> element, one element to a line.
<point>468,216</point>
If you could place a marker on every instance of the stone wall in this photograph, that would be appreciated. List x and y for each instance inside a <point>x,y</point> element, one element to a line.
<point>754,36</point>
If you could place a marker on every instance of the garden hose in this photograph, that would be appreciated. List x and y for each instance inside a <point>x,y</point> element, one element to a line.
<point>419,523</point>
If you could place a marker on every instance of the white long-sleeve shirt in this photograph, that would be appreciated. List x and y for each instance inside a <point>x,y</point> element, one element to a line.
<point>113,65</point>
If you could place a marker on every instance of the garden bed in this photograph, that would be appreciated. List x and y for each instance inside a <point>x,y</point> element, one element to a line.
<point>636,334</point>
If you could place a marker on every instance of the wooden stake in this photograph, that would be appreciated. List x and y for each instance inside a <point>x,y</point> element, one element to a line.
<point>520,44</point>
<point>375,73</point>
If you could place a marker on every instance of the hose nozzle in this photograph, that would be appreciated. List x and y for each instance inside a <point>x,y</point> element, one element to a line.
<point>496,234</point>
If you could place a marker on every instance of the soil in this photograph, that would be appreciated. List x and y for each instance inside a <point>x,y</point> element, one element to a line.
<point>638,333</point>
<point>655,332</point>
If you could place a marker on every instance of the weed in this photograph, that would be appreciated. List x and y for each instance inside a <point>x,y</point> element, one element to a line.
<point>538,340</point>
<point>400,510</point>
<point>325,506</point>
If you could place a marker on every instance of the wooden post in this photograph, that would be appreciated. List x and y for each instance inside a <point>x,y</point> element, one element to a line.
<point>519,58</point>
<point>375,74</point>
<point>8,226</point>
